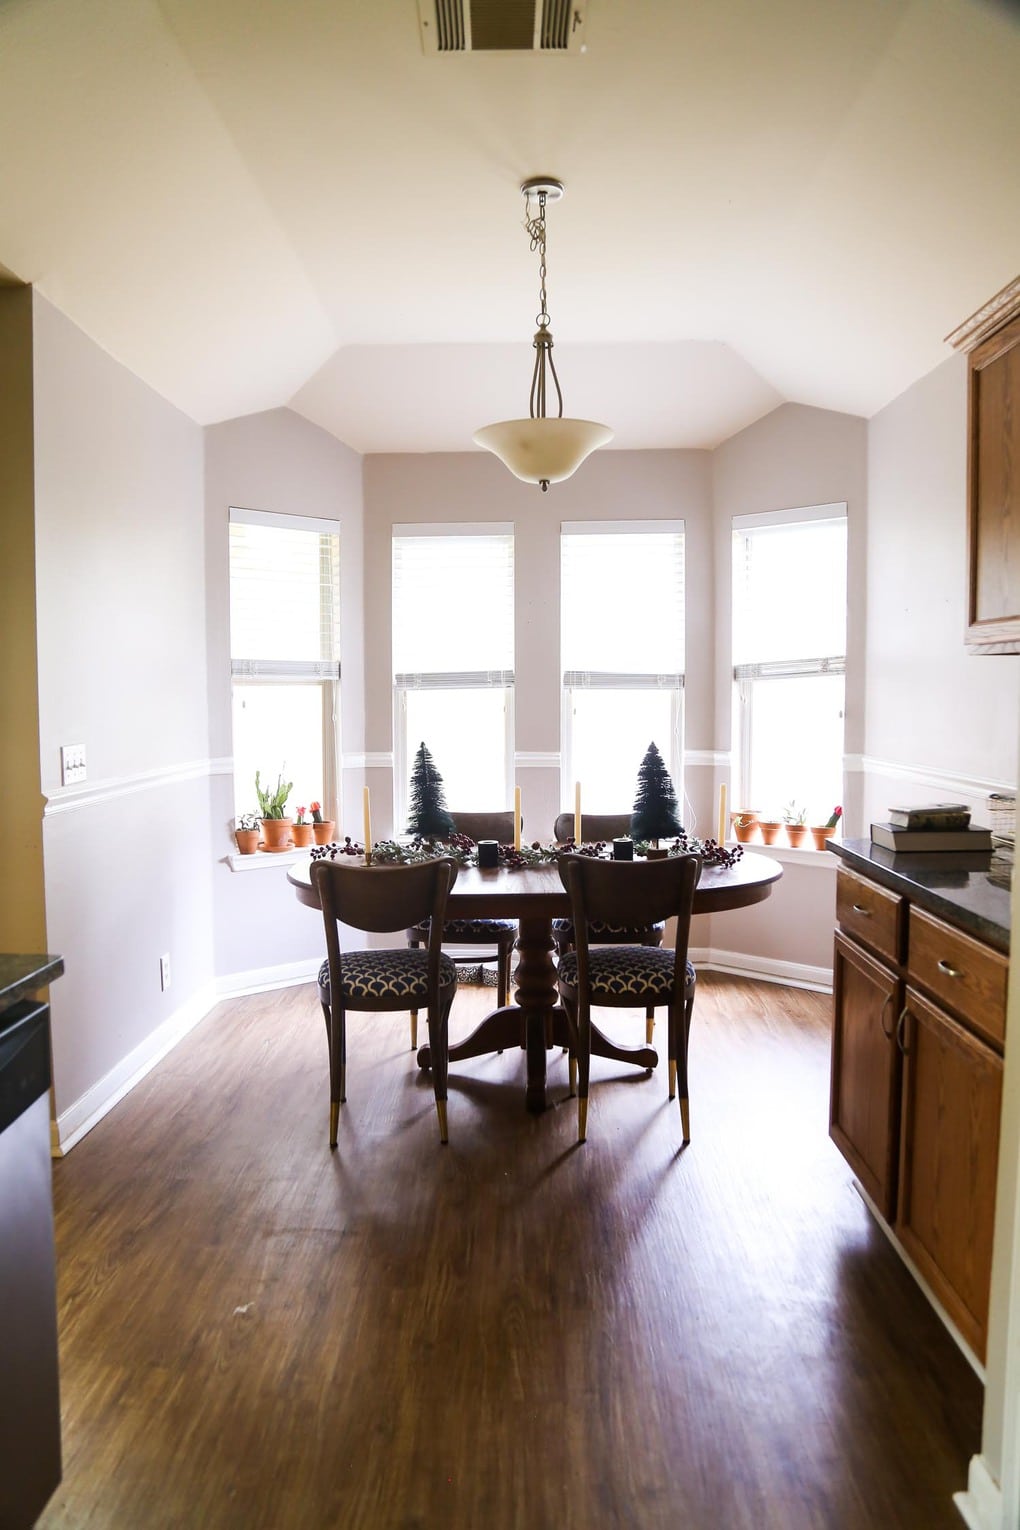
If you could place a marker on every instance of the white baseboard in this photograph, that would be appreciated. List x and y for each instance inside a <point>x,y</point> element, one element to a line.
<point>264,979</point>
<point>765,968</point>
<point>73,1123</point>
<point>981,1505</point>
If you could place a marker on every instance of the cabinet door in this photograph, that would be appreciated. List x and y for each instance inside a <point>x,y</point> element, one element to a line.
<point>952,1093</point>
<point>865,1089</point>
<point>994,494</point>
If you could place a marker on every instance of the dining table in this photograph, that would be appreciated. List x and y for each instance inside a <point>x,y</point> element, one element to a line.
<point>535,896</point>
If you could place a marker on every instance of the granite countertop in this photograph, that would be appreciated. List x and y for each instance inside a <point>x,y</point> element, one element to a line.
<point>21,975</point>
<point>954,886</point>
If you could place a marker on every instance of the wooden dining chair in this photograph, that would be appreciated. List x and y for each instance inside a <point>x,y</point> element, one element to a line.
<point>380,900</point>
<point>595,827</point>
<point>497,934</point>
<point>627,976</point>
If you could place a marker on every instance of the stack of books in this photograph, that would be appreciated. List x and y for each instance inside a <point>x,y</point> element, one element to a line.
<point>941,826</point>
<point>1002,812</point>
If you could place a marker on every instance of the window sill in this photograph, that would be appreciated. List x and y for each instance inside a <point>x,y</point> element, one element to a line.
<point>788,856</point>
<point>264,860</point>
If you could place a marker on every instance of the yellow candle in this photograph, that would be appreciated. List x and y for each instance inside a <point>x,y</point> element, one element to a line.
<point>577,812</point>
<point>722,814</point>
<point>368,828</point>
<point>517,818</point>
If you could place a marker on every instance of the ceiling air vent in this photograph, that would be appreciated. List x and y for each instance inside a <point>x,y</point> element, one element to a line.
<point>502,26</point>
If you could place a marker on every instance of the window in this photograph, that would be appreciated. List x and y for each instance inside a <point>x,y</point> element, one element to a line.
<point>789,659</point>
<point>622,651</point>
<point>453,661</point>
<point>285,655</point>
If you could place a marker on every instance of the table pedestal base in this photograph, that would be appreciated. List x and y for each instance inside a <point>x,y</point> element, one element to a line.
<point>536,1022</point>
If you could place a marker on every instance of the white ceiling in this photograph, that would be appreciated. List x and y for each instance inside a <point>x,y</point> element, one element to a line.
<point>289,203</point>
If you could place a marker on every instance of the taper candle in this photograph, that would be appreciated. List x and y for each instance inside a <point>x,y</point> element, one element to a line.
<point>368,828</point>
<point>517,818</point>
<point>722,814</point>
<point>577,812</point>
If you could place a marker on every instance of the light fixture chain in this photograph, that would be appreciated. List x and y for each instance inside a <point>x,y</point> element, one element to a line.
<point>535,227</point>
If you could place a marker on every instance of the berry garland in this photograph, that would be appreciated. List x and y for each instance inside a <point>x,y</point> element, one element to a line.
<point>462,849</point>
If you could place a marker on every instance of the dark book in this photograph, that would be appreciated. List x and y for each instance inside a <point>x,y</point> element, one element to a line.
<point>938,815</point>
<point>911,840</point>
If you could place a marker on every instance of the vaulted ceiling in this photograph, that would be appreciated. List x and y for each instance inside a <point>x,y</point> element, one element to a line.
<point>291,203</point>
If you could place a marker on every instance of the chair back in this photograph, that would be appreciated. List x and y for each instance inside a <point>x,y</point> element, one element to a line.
<point>630,893</point>
<point>498,826</point>
<point>381,899</point>
<point>594,826</point>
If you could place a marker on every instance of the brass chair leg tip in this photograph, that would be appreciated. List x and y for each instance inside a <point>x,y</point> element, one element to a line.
<point>441,1113</point>
<point>685,1119</point>
<point>582,1120</point>
<point>334,1121</point>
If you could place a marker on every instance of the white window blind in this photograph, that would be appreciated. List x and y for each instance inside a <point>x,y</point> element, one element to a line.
<point>284,597</point>
<point>789,596</point>
<point>622,652</point>
<point>622,604</point>
<point>453,607</point>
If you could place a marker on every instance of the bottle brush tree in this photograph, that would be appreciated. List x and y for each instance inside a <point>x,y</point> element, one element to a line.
<point>656,811</point>
<point>427,814</point>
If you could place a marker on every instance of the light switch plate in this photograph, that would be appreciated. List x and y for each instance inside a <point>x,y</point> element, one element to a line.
<point>72,763</point>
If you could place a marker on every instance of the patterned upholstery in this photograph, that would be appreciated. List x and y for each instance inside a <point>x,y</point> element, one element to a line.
<point>485,930</point>
<point>397,974</point>
<point>618,970</point>
<point>600,933</point>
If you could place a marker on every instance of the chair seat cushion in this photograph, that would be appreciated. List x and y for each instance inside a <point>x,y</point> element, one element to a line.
<point>487,930</point>
<point>399,974</point>
<point>600,933</point>
<point>616,970</point>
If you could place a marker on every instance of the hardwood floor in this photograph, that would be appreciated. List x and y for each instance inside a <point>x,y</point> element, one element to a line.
<point>508,1332</point>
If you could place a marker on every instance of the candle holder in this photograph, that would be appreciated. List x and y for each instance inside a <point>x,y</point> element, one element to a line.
<point>623,849</point>
<point>488,854</point>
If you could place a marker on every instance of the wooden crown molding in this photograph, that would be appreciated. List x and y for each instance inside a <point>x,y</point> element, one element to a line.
<point>991,316</point>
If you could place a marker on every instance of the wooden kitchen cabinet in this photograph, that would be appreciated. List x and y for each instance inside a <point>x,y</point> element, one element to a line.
<point>919,1012</point>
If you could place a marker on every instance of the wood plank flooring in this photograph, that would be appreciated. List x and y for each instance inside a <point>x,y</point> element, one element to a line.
<point>509,1332</point>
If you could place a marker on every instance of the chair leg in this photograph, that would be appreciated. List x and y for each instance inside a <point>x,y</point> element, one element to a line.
<point>439,1032</point>
<point>678,1023</point>
<point>414,1030</point>
<point>504,951</point>
<point>583,1069</point>
<point>336,1032</point>
<point>649,1024</point>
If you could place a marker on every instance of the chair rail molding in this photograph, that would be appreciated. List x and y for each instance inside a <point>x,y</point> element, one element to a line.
<point>91,793</point>
<point>537,759</point>
<point>941,781</point>
<point>708,759</point>
<point>379,759</point>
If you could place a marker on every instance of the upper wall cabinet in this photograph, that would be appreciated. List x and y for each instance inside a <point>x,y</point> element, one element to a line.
<point>992,339</point>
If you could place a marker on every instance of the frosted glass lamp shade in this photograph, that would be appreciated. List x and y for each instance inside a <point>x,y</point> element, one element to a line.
<point>543,450</point>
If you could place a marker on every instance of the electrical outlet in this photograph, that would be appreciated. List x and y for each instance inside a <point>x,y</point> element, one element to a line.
<point>72,763</point>
<point>164,971</point>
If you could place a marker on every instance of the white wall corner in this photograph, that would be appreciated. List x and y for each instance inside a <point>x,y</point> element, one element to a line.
<point>764,968</point>
<point>981,1506</point>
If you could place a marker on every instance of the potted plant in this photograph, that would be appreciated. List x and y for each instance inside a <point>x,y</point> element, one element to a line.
<point>276,826</point>
<point>771,828</point>
<point>301,833</point>
<point>795,819</point>
<point>246,833</point>
<point>744,825</point>
<point>322,828</point>
<point>823,832</point>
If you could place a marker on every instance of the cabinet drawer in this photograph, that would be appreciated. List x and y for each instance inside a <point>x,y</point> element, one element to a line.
<point>869,912</point>
<point>965,975</point>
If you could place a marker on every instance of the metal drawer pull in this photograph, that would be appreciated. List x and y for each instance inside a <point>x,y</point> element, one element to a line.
<point>860,909</point>
<point>949,970</point>
<point>901,1027</point>
<point>891,1034</point>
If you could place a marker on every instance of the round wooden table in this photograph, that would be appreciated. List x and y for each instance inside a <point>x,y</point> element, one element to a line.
<point>535,897</point>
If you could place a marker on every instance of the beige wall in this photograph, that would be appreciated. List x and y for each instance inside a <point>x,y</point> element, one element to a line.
<point>930,706</point>
<point>120,589</point>
<point>281,463</point>
<point>22,910</point>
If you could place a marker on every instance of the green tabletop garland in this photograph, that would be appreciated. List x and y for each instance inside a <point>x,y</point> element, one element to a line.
<point>462,849</point>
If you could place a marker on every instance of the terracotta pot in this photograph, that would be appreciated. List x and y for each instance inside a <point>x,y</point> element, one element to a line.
<point>324,831</point>
<point>822,835</point>
<point>301,834</point>
<point>770,830</point>
<point>276,833</point>
<point>796,833</point>
<point>745,826</point>
<point>247,840</point>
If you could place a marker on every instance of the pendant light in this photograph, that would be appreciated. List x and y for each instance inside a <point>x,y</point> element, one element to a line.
<point>542,449</point>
